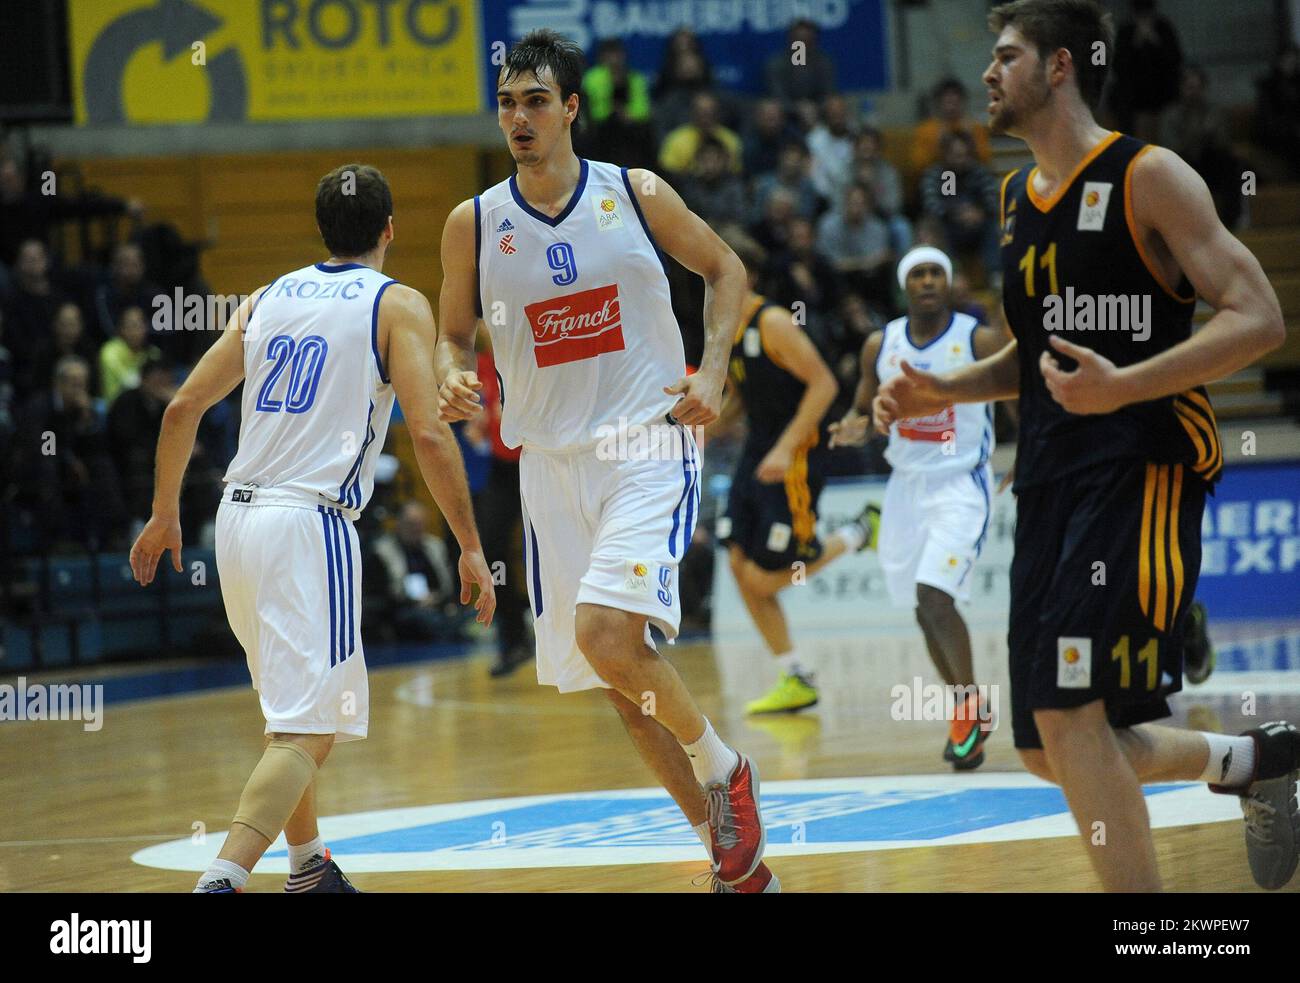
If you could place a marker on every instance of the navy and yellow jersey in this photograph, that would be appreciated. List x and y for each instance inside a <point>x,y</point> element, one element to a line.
<point>1073,263</point>
<point>771,394</point>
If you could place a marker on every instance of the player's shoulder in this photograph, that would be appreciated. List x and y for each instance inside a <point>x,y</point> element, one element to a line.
<point>1161,183</point>
<point>400,300</point>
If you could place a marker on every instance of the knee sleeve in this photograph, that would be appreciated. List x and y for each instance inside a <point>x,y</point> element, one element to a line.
<point>275,788</point>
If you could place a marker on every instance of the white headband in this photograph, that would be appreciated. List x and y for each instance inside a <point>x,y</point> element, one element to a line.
<point>919,255</point>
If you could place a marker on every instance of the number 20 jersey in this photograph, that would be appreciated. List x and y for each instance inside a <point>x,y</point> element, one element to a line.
<point>578,306</point>
<point>316,401</point>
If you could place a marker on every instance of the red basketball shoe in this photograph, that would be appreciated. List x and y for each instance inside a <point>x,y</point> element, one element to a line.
<point>735,825</point>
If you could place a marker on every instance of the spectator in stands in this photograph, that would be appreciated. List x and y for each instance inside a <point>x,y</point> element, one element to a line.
<point>30,210</point>
<point>65,473</point>
<point>842,350</point>
<point>964,300</point>
<point>685,73</point>
<point>772,231</point>
<point>791,175</point>
<point>677,155</point>
<point>1147,70</point>
<point>856,243</point>
<point>766,135</point>
<point>125,285</point>
<point>32,305</point>
<point>616,100</point>
<point>1277,116</point>
<point>421,589</point>
<point>831,145</point>
<point>712,191</point>
<point>963,196</point>
<point>801,75</point>
<point>871,168</point>
<point>66,336</point>
<point>948,106</point>
<point>1198,132</point>
<point>801,274</point>
<point>7,421</point>
<point>122,357</point>
<point>134,423</point>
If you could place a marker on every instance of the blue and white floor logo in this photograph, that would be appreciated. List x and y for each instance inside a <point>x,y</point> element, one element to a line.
<point>580,829</point>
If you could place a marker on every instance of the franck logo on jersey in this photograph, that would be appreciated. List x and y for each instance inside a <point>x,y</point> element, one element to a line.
<point>937,428</point>
<point>576,326</point>
<point>625,826</point>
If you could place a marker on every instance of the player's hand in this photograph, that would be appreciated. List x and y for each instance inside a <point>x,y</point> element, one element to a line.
<point>474,570</point>
<point>458,397</point>
<point>701,400</point>
<point>773,467</point>
<point>1094,386</point>
<point>912,393</point>
<point>157,537</point>
<point>850,433</point>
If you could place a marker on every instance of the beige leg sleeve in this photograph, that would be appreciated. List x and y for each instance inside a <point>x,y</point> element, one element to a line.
<point>275,788</point>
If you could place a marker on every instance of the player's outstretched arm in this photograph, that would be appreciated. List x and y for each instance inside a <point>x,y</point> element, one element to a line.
<point>689,240</point>
<point>1172,200</point>
<point>793,351</point>
<point>218,372</point>
<point>455,361</point>
<point>406,321</point>
<point>852,430</point>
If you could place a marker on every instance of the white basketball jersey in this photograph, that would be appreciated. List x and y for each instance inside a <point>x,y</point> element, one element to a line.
<point>960,437</point>
<point>582,325</point>
<point>316,400</point>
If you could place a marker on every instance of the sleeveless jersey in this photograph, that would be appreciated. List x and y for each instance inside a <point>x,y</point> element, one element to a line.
<point>770,393</point>
<point>316,401</point>
<point>960,437</point>
<point>578,307</point>
<point>1072,264</point>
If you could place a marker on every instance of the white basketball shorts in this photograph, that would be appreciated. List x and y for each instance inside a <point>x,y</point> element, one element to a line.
<point>291,582</point>
<point>606,526</point>
<point>931,530</point>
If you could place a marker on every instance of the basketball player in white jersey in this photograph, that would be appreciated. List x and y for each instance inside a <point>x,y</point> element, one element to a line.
<point>936,509</point>
<point>562,263</point>
<point>322,352</point>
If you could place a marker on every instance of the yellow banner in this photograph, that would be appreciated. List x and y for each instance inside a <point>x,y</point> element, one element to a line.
<point>189,61</point>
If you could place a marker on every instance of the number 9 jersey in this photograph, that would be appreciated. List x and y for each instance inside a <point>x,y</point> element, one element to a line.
<point>582,324</point>
<point>316,401</point>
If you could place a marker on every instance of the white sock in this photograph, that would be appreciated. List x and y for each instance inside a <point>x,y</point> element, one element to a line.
<point>702,831</point>
<point>222,870</point>
<point>1231,761</point>
<point>711,759</point>
<point>305,857</point>
<point>788,663</point>
<point>853,536</point>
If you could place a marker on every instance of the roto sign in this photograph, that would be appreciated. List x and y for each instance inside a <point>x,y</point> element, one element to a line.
<point>337,23</point>
<point>576,326</point>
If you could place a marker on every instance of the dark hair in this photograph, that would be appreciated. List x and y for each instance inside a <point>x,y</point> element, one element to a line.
<point>353,205</point>
<point>948,85</point>
<point>544,48</point>
<point>711,143</point>
<point>1075,25</point>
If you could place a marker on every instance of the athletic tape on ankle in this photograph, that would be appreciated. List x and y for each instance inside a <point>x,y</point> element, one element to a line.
<point>275,788</point>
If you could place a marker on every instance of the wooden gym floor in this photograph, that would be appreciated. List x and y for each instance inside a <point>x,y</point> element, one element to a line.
<point>78,805</point>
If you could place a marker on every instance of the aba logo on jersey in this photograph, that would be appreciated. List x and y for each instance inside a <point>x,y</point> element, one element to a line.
<point>1073,663</point>
<point>505,226</point>
<point>507,244</point>
<point>576,326</point>
<point>607,214</point>
<point>1092,207</point>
